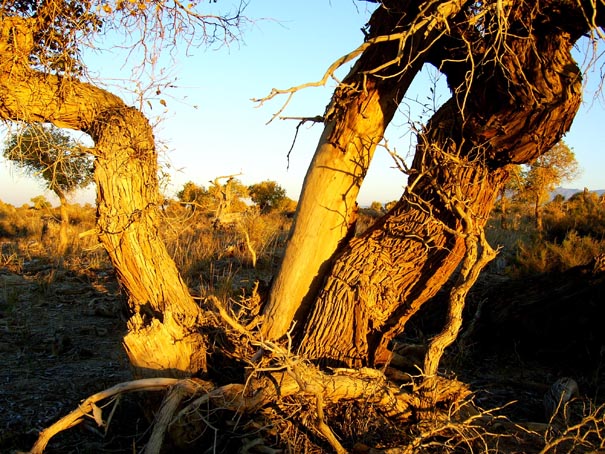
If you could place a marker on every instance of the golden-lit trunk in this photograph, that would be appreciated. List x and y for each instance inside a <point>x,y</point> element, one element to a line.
<point>162,334</point>
<point>538,214</point>
<point>162,338</point>
<point>360,110</point>
<point>326,210</point>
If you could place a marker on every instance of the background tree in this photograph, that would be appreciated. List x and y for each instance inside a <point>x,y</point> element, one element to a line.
<point>508,190</point>
<point>40,203</point>
<point>228,199</point>
<point>287,206</point>
<point>377,207</point>
<point>53,155</point>
<point>195,197</point>
<point>542,176</point>
<point>267,195</point>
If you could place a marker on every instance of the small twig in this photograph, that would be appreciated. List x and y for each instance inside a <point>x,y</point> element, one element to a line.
<point>302,121</point>
<point>315,119</point>
<point>225,316</point>
<point>116,402</point>
<point>325,429</point>
<point>249,246</point>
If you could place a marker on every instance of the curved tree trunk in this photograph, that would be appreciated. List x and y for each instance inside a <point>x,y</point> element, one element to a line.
<point>515,110</point>
<point>162,336</point>
<point>360,110</point>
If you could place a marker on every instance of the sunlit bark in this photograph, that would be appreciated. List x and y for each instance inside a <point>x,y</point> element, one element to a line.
<point>514,111</point>
<point>360,110</point>
<point>162,336</point>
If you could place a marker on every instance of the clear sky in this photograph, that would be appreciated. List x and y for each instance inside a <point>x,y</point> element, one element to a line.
<point>210,127</point>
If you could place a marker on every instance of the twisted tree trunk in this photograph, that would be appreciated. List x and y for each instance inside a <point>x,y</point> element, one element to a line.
<point>163,337</point>
<point>513,110</point>
<point>360,110</point>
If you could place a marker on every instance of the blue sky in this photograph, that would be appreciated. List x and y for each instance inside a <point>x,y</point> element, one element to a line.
<point>210,126</point>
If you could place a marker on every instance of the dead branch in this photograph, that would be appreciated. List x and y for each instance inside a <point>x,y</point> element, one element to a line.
<point>301,121</point>
<point>433,17</point>
<point>472,264</point>
<point>88,407</point>
<point>325,429</point>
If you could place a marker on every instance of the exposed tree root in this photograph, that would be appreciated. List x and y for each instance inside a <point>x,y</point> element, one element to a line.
<point>456,425</point>
<point>89,407</point>
<point>367,385</point>
<point>287,375</point>
<point>279,378</point>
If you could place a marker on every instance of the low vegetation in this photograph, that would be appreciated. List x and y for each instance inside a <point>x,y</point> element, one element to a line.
<point>573,233</point>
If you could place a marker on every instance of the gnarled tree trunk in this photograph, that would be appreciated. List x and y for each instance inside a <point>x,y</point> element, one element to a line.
<point>162,338</point>
<point>514,109</point>
<point>355,122</point>
<point>162,334</point>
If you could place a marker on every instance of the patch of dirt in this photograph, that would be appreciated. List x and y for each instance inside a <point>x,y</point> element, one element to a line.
<point>60,341</point>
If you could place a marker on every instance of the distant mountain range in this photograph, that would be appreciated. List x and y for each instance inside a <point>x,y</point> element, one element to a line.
<point>567,193</point>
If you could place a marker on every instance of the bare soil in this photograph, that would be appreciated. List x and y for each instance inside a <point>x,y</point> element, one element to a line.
<point>60,341</point>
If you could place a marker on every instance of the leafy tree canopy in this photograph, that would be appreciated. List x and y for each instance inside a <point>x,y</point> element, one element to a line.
<point>224,194</point>
<point>267,195</point>
<point>195,196</point>
<point>549,170</point>
<point>40,203</point>
<point>53,155</point>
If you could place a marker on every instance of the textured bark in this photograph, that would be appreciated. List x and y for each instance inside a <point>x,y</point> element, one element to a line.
<point>162,336</point>
<point>383,277</point>
<point>516,109</point>
<point>356,119</point>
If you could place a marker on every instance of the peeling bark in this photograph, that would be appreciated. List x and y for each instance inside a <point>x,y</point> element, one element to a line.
<point>514,110</point>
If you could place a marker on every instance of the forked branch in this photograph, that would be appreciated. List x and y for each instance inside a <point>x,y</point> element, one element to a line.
<point>89,407</point>
<point>435,16</point>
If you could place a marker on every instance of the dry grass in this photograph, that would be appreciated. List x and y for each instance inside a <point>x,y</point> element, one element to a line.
<point>573,234</point>
<point>207,257</point>
<point>229,261</point>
